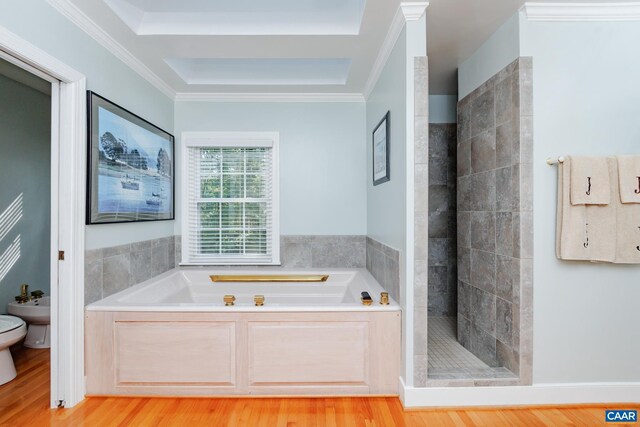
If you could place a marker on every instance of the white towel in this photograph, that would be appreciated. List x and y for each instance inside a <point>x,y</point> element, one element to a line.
<point>590,181</point>
<point>584,232</point>
<point>627,223</point>
<point>629,178</point>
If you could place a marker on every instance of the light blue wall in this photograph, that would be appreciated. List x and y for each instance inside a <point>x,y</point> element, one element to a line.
<point>41,25</point>
<point>386,203</point>
<point>586,102</point>
<point>443,108</point>
<point>322,158</point>
<point>25,169</point>
<point>501,49</point>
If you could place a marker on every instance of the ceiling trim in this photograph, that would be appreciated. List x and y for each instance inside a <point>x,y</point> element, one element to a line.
<point>86,24</point>
<point>269,97</point>
<point>407,11</point>
<point>582,11</point>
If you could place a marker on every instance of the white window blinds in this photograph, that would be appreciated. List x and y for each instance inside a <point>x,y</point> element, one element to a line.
<point>230,210</point>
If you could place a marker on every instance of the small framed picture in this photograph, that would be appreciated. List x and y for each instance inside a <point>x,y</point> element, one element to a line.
<point>130,166</point>
<point>381,167</point>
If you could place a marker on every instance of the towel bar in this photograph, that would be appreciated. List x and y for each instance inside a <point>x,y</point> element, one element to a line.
<point>554,161</point>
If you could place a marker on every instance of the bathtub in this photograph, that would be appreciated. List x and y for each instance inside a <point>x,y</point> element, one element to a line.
<point>174,335</point>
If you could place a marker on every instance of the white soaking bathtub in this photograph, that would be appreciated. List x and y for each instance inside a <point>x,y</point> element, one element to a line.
<point>173,335</point>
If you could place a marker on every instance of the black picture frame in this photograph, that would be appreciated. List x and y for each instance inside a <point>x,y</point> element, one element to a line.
<point>380,140</point>
<point>126,180</point>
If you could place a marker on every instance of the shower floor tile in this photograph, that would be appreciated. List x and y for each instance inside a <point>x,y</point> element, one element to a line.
<point>447,359</point>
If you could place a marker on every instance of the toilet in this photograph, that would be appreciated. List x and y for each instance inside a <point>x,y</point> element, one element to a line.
<point>12,330</point>
<point>37,313</point>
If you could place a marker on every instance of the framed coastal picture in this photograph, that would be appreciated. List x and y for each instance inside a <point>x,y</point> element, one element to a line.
<point>130,166</point>
<point>381,172</point>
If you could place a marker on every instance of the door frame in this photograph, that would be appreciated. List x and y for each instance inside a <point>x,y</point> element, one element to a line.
<point>68,194</point>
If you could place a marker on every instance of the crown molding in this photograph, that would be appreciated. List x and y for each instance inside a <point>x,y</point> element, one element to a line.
<point>86,24</point>
<point>413,11</point>
<point>270,97</point>
<point>407,11</point>
<point>581,11</point>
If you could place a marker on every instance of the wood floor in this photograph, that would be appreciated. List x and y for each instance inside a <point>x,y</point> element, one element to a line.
<point>25,402</point>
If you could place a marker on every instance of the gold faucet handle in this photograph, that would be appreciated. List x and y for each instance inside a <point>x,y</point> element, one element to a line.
<point>258,300</point>
<point>229,300</point>
<point>384,298</point>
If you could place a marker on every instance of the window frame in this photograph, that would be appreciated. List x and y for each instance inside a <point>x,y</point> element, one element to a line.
<point>228,140</point>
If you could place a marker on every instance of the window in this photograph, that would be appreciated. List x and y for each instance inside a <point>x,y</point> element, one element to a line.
<point>230,203</point>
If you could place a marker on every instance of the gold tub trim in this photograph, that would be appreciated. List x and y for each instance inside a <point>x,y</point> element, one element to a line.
<point>281,278</point>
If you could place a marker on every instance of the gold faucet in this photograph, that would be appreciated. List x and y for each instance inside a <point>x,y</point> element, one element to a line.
<point>229,300</point>
<point>258,300</point>
<point>384,298</point>
<point>24,296</point>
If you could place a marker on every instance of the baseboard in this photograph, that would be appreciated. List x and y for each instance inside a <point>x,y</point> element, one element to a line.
<point>537,394</point>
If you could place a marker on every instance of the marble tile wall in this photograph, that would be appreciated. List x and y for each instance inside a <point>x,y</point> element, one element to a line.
<point>495,221</point>
<point>442,257</point>
<point>113,269</point>
<point>422,218</point>
<point>383,262</point>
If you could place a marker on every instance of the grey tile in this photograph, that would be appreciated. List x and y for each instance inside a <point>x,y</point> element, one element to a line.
<point>515,188</point>
<point>483,270</point>
<point>504,233</point>
<point>464,264</point>
<point>503,100</point>
<point>439,251</point>
<point>464,193</point>
<point>525,154</point>
<point>420,367</point>
<point>338,251</point>
<point>141,246</point>
<point>295,253</point>
<point>464,229</point>
<point>421,87</point>
<point>526,91</point>
<point>526,234</point>
<point>503,321</point>
<point>93,255</point>
<point>422,140</point>
<point>464,122</point>
<point>172,254</point>
<point>483,191</point>
<point>483,151</point>
<point>506,276</point>
<point>115,274</point>
<point>464,300</point>
<point>116,250</point>
<point>141,266</point>
<point>483,231</point>
<point>93,281</point>
<point>464,159</point>
<point>526,187</point>
<point>439,224</point>
<point>421,232</point>
<point>159,259</point>
<point>392,277</point>
<point>483,311</point>
<point>420,285</point>
<point>504,145</point>
<point>482,113</point>
<point>507,357</point>
<point>483,345</point>
<point>439,135</point>
<point>438,171</point>
<point>464,332</point>
<point>504,190</point>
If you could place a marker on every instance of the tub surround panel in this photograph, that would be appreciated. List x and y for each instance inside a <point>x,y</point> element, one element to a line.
<point>207,354</point>
<point>442,264</point>
<point>383,262</point>
<point>495,221</point>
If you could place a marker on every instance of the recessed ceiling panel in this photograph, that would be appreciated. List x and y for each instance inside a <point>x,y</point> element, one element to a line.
<point>261,71</point>
<point>240,17</point>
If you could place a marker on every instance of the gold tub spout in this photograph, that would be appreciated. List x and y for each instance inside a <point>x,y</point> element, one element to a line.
<point>281,278</point>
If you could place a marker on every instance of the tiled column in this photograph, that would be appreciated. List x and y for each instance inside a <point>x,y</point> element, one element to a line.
<point>495,223</point>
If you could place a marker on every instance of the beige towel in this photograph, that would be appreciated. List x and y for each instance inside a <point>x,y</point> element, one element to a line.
<point>629,178</point>
<point>590,181</point>
<point>584,233</point>
<point>628,224</point>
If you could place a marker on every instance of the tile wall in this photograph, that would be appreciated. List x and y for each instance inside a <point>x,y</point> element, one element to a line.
<point>495,222</point>
<point>442,261</point>
<point>383,262</point>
